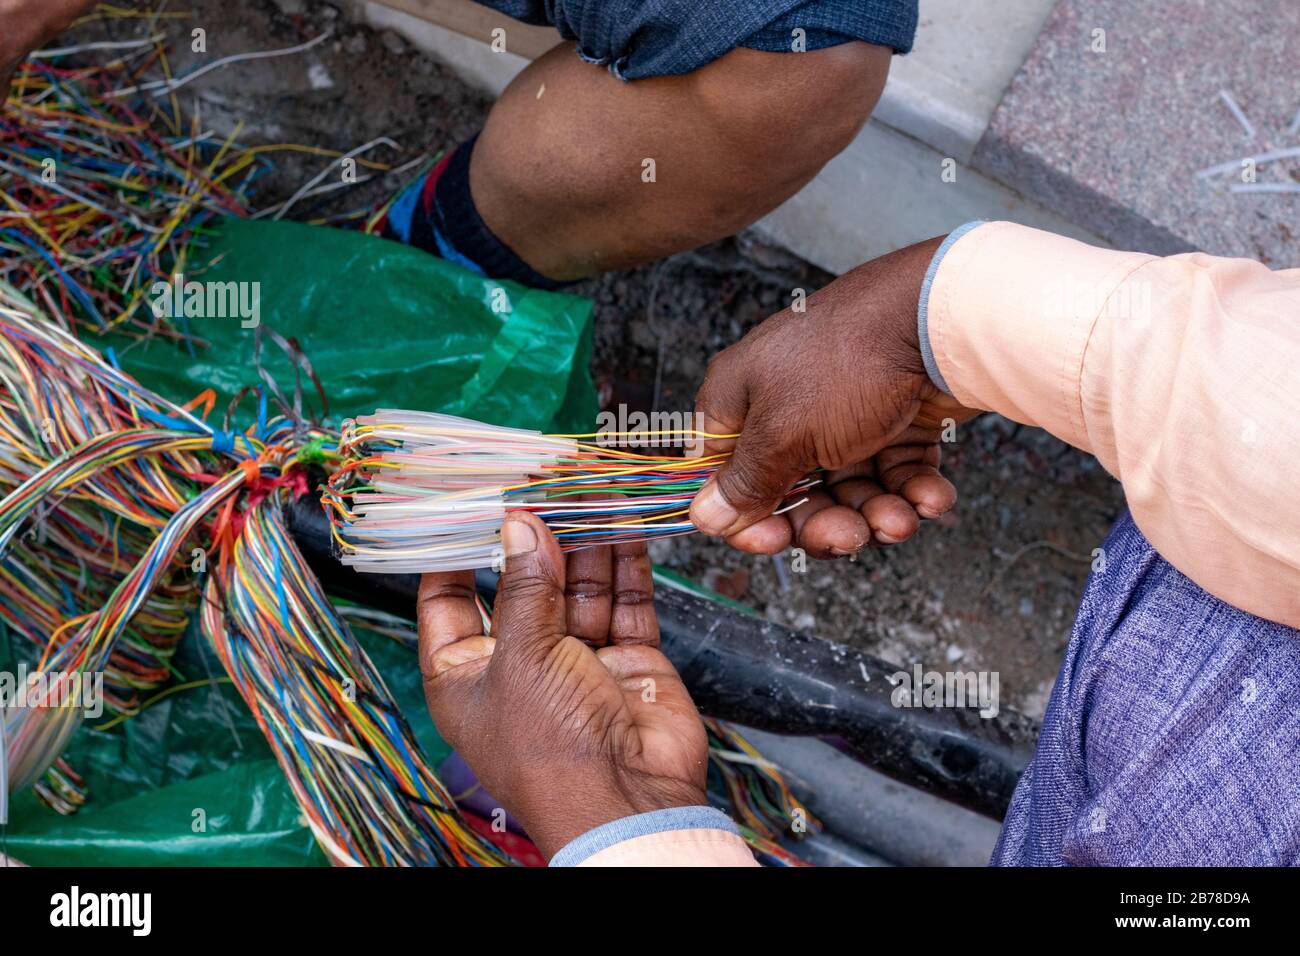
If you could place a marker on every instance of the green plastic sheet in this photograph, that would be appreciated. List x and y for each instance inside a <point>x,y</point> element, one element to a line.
<point>191,781</point>
<point>384,326</point>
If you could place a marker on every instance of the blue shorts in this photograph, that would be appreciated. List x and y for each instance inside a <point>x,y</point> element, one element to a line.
<point>642,38</point>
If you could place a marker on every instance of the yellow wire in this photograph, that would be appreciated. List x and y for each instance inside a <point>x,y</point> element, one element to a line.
<point>108,725</point>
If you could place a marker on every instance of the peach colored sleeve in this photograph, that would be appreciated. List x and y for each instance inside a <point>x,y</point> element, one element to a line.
<point>1180,374</point>
<point>677,848</point>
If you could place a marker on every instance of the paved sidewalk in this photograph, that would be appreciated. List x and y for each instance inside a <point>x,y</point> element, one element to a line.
<point>1114,139</point>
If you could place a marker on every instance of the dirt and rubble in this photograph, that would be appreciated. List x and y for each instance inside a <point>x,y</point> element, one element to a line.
<point>993,586</point>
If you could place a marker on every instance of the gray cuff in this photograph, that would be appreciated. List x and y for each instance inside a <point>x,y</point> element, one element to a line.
<point>642,824</point>
<point>922,325</point>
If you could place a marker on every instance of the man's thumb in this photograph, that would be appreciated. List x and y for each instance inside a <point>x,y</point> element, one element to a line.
<point>529,612</point>
<point>747,487</point>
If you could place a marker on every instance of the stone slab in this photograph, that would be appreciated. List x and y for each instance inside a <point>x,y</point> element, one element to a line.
<point>887,191</point>
<point>966,53</point>
<point>1114,138</point>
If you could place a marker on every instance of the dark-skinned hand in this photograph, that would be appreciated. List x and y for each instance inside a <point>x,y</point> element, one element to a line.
<point>26,25</point>
<point>842,387</point>
<point>568,713</point>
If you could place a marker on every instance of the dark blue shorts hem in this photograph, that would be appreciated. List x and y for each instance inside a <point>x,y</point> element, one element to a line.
<point>638,39</point>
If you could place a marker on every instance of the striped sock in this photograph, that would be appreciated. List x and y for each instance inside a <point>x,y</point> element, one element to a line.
<point>437,214</point>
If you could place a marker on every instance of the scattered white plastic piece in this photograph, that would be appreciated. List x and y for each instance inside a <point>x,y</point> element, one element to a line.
<point>1266,188</point>
<point>1259,159</point>
<point>101,45</point>
<point>1237,113</point>
<point>163,87</point>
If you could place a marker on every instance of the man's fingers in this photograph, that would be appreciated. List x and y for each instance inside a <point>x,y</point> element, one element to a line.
<point>633,620</point>
<point>896,488</point>
<point>722,405</point>
<point>912,472</point>
<point>930,493</point>
<point>826,530</point>
<point>446,612</point>
<point>890,518</point>
<point>748,486</point>
<point>450,682</point>
<point>589,594</point>
<point>715,445</point>
<point>451,636</point>
<point>771,535</point>
<point>723,401</point>
<point>528,618</point>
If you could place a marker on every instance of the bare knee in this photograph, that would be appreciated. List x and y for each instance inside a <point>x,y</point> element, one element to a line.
<point>788,114</point>
<point>562,178</point>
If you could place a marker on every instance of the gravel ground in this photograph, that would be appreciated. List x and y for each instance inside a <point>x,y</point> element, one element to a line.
<point>993,586</point>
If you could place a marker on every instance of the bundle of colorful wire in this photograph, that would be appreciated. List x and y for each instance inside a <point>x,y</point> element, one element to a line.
<point>102,195</point>
<point>758,796</point>
<point>61,789</point>
<point>77,457</point>
<point>84,450</point>
<point>420,491</point>
<point>346,751</point>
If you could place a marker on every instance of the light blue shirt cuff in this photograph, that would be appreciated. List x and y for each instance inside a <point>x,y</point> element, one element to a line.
<point>642,824</point>
<point>922,325</point>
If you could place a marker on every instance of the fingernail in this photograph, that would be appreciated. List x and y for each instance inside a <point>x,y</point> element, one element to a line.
<point>843,552</point>
<point>887,538</point>
<point>518,537</point>
<point>710,511</point>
